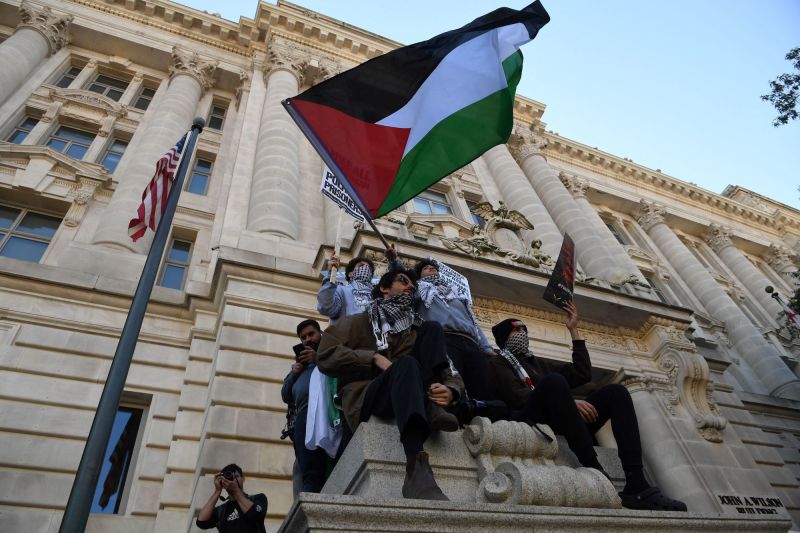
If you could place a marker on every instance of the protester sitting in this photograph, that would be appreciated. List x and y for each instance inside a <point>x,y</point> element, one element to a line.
<point>390,363</point>
<point>295,392</point>
<point>240,513</point>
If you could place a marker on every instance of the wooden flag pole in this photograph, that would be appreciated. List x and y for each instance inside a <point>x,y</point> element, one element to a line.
<point>337,246</point>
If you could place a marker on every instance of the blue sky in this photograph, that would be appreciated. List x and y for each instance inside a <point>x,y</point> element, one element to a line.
<point>671,85</point>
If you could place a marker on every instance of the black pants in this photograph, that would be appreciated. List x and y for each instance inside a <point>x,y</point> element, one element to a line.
<point>471,363</point>
<point>551,402</point>
<point>400,390</point>
<point>312,463</point>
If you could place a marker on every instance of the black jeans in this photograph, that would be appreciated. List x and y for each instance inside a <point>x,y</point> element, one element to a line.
<point>551,403</point>
<point>471,363</point>
<point>312,463</point>
<point>400,390</point>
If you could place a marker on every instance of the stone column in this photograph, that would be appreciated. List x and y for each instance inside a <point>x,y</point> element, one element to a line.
<point>88,72</point>
<point>274,206</point>
<point>719,238</point>
<point>779,258</point>
<point>578,187</point>
<point>189,77</point>
<point>40,34</point>
<point>520,196</point>
<point>760,355</point>
<point>133,90</point>
<point>590,249</point>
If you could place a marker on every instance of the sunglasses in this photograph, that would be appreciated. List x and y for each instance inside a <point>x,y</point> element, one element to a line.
<point>404,280</point>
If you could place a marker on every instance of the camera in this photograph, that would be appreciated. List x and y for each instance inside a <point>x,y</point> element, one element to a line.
<point>228,474</point>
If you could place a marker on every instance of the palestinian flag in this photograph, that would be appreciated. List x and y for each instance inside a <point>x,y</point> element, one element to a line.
<point>400,122</point>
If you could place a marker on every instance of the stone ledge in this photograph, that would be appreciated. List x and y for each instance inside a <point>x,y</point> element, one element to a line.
<point>328,512</point>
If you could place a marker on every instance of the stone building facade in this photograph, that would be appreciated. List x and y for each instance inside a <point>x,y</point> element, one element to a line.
<point>92,92</point>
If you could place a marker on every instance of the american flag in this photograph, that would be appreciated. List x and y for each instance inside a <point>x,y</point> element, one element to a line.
<point>154,197</point>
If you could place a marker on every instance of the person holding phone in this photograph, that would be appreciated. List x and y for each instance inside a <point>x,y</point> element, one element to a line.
<point>311,463</point>
<point>240,512</point>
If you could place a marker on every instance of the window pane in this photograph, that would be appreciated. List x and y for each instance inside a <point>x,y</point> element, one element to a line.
<point>117,461</point>
<point>197,183</point>
<point>95,88</point>
<point>440,209</point>
<point>142,103</point>
<point>57,144</point>
<point>7,216</point>
<point>18,136</point>
<point>180,251</point>
<point>25,249</point>
<point>39,225</point>
<point>77,151</point>
<point>203,165</point>
<point>75,135</point>
<point>110,161</point>
<point>148,92</point>
<point>112,82</point>
<point>114,94</point>
<point>173,277</point>
<point>119,146</point>
<point>64,82</point>
<point>215,123</point>
<point>421,206</point>
<point>29,123</point>
<point>218,111</point>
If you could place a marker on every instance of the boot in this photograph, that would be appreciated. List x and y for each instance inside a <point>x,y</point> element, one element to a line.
<point>439,419</point>
<point>420,485</point>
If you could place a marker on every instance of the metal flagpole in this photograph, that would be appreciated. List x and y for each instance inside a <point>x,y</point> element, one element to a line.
<point>312,138</point>
<point>76,514</point>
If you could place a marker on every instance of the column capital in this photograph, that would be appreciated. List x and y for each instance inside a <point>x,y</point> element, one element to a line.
<point>650,214</point>
<point>286,57</point>
<point>524,143</point>
<point>718,237</point>
<point>53,27</point>
<point>577,186</point>
<point>780,258</point>
<point>191,64</point>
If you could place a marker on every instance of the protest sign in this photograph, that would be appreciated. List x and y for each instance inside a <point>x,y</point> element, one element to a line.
<point>560,288</point>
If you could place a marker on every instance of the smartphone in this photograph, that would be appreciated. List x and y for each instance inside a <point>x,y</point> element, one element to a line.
<point>298,349</point>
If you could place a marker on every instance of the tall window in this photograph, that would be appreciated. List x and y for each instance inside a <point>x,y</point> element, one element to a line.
<point>217,117</point>
<point>117,461</point>
<point>176,264</point>
<point>432,203</point>
<point>70,141</point>
<point>68,77</point>
<point>198,179</point>
<point>145,98</point>
<point>113,155</point>
<point>21,132</point>
<point>656,289</point>
<point>25,234</point>
<point>615,232</point>
<point>479,221</point>
<point>108,86</point>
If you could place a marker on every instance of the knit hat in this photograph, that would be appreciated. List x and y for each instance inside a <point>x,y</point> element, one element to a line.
<point>502,330</point>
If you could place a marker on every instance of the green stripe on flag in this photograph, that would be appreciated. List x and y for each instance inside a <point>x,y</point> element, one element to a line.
<point>457,140</point>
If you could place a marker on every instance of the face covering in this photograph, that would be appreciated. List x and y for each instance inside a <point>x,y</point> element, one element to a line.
<point>518,344</point>
<point>362,273</point>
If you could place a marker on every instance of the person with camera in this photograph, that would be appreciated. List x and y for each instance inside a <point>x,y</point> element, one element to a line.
<point>240,512</point>
<point>295,393</point>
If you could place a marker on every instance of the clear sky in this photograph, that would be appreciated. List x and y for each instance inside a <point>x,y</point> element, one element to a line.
<point>672,85</point>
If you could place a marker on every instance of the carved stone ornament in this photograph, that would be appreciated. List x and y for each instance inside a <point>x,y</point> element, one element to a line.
<point>244,78</point>
<point>80,195</point>
<point>191,64</point>
<point>88,99</point>
<point>718,237</point>
<point>286,57</point>
<point>502,236</point>
<point>523,143</point>
<point>54,28</point>
<point>780,259</point>
<point>516,465</point>
<point>650,214</point>
<point>577,186</point>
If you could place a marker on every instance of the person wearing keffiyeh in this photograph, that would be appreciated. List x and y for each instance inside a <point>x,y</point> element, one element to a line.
<point>392,364</point>
<point>539,392</point>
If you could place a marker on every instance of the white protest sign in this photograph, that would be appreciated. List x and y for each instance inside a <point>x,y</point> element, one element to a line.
<point>455,280</point>
<point>333,189</point>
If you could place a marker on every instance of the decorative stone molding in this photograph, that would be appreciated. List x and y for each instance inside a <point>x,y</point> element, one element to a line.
<point>244,79</point>
<point>516,466</point>
<point>718,237</point>
<point>89,99</point>
<point>577,186</point>
<point>286,57</point>
<point>54,28</point>
<point>780,259</point>
<point>190,64</point>
<point>650,214</point>
<point>311,72</point>
<point>80,195</point>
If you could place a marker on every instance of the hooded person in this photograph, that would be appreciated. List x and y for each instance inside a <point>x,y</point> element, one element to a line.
<point>392,364</point>
<point>537,391</point>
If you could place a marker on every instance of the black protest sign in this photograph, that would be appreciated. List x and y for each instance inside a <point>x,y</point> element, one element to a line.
<point>560,287</point>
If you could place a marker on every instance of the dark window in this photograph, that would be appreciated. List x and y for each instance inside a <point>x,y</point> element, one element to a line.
<point>615,232</point>
<point>25,234</point>
<point>117,461</point>
<point>68,77</point>
<point>176,264</point>
<point>479,221</point>
<point>22,131</point>
<point>113,155</point>
<point>111,87</point>
<point>70,141</point>
<point>217,117</point>
<point>199,177</point>
<point>144,99</point>
<point>432,203</point>
<point>656,289</point>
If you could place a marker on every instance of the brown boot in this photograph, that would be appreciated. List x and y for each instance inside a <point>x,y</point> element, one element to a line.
<point>420,485</point>
<point>441,420</point>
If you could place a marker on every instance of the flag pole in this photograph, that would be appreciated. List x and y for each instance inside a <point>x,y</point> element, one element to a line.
<point>76,513</point>
<point>312,138</point>
<point>337,246</point>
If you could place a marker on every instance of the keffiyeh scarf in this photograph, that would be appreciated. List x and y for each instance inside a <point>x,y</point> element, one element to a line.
<point>431,286</point>
<point>361,284</point>
<point>391,315</point>
<point>517,345</point>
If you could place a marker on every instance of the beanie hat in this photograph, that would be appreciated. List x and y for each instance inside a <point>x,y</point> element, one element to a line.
<point>502,330</point>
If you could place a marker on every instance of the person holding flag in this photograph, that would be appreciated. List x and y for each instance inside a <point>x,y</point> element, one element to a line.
<point>539,392</point>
